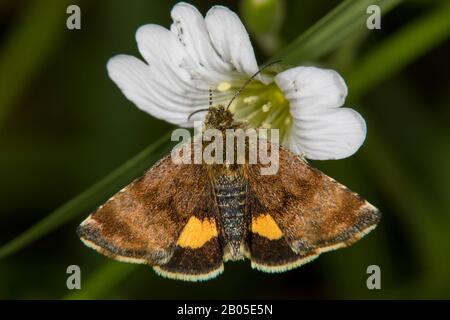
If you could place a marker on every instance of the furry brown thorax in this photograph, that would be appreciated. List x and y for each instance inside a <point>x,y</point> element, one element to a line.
<point>219,117</point>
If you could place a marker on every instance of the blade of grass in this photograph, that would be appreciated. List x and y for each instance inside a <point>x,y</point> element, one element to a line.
<point>102,280</point>
<point>330,31</point>
<point>406,45</point>
<point>27,48</point>
<point>91,198</point>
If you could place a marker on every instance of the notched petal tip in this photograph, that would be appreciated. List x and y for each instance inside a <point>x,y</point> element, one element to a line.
<point>230,39</point>
<point>322,130</point>
<point>142,32</point>
<point>184,9</point>
<point>121,66</point>
<point>148,91</point>
<point>329,135</point>
<point>315,87</point>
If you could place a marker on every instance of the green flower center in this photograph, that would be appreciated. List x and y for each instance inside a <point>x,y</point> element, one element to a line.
<point>264,106</point>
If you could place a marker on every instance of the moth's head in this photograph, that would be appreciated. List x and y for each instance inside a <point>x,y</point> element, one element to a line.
<point>219,117</point>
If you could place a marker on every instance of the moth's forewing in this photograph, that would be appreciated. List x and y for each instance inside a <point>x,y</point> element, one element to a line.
<point>166,218</point>
<point>300,212</point>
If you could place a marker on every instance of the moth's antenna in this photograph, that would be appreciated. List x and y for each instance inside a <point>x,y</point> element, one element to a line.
<point>246,83</point>
<point>204,109</point>
<point>210,97</point>
<point>197,111</point>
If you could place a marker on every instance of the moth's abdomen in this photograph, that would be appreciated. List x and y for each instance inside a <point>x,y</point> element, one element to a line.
<point>231,197</point>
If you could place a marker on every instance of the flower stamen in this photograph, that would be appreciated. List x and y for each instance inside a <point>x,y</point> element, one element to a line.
<point>224,86</point>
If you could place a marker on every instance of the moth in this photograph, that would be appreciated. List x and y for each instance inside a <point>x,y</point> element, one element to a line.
<point>185,220</point>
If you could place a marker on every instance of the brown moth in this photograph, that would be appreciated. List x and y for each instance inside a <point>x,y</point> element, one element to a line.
<point>185,220</point>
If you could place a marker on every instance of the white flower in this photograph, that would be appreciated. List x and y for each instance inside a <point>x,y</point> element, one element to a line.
<point>198,53</point>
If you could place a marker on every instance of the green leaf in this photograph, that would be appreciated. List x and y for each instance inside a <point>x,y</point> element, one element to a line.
<point>91,198</point>
<point>330,31</point>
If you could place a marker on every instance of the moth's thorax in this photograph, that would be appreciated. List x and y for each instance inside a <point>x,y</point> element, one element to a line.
<point>228,172</point>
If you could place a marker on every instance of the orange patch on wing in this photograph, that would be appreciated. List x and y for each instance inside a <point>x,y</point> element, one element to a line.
<point>266,227</point>
<point>197,232</point>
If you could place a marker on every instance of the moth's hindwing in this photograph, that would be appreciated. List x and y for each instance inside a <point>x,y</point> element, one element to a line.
<point>166,219</point>
<point>300,213</point>
<point>197,254</point>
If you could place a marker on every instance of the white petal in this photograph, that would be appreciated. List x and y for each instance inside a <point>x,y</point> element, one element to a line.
<point>321,129</point>
<point>231,40</point>
<point>165,55</point>
<point>183,65</point>
<point>148,92</point>
<point>162,50</point>
<point>203,60</point>
<point>315,87</point>
<point>329,134</point>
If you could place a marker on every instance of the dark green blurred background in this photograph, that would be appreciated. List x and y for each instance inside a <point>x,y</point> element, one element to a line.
<point>64,125</point>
